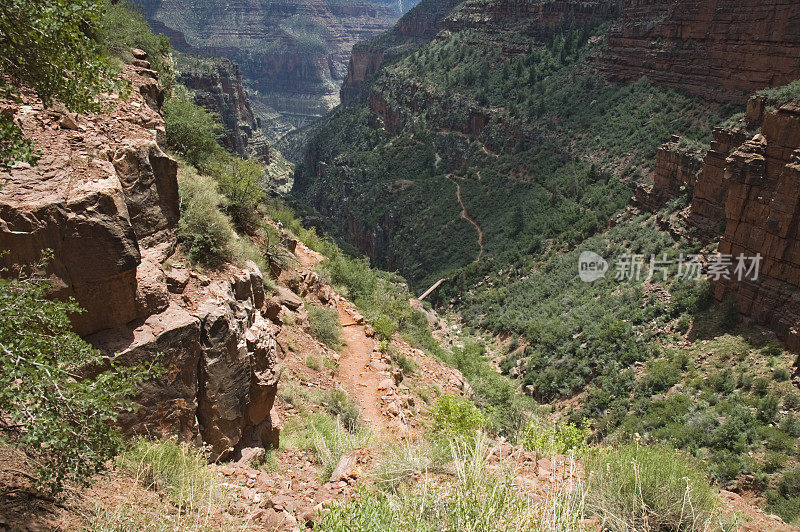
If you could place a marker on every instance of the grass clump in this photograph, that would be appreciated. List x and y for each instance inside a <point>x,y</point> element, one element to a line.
<point>473,499</point>
<point>650,488</point>
<point>560,438</point>
<point>325,326</point>
<point>339,405</point>
<point>326,436</point>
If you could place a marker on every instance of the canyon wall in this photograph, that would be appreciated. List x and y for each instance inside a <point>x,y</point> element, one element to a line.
<point>293,53</point>
<point>747,193</point>
<point>217,86</point>
<point>419,25</point>
<point>104,199</point>
<point>721,50</point>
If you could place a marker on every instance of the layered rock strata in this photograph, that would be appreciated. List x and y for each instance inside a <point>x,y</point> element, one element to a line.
<point>721,50</point>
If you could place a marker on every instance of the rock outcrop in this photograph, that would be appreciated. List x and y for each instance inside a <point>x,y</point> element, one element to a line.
<point>217,86</point>
<point>104,199</point>
<point>721,50</point>
<point>748,194</point>
<point>675,174</point>
<point>762,216</point>
<point>293,53</point>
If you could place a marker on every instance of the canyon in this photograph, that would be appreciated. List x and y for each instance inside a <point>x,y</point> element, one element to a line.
<point>292,53</point>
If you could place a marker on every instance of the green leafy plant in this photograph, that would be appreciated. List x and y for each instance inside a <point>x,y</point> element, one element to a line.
<point>559,438</point>
<point>456,418</point>
<point>58,396</point>
<point>325,326</point>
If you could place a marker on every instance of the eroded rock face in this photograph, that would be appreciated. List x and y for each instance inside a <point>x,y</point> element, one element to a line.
<point>762,215</point>
<point>218,86</point>
<point>293,53</point>
<point>98,195</point>
<point>104,198</point>
<point>721,50</point>
<point>748,192</point>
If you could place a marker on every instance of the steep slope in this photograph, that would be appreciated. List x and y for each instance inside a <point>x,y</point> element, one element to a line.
<point>510,99</point>
<point>104,199</point>
<point>293,53</point>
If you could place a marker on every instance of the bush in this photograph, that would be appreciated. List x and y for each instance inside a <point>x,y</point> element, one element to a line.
<point>325,326</point>
<point>560,438</point>
<point>191,130</point>
<point>58,397</point>
<point>649,488</point>
<point>339,405</point>
<point>456,418</point>
<point>203,228</point>
<point>406,365</point>
<point>240,182</point>
<point>385,327</point>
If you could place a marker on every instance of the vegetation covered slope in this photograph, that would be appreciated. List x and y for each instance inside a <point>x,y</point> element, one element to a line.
<point>541,145</point>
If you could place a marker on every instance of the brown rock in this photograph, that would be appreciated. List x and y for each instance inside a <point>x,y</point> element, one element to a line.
<point>177,279</point>
<point>289,299</point>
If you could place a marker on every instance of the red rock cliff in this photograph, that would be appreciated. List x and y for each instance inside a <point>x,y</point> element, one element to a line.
<point>721,50</point>
<point>104,199</point>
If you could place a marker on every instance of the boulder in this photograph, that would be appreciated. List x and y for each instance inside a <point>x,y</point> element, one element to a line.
<point>167,405</point>
<point>289,299</point>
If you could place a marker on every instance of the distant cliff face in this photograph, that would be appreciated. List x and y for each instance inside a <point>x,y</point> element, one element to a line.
<point>218,87</point>
<point>293,53</point>
<point>419,25</point>
<point>721,50</point>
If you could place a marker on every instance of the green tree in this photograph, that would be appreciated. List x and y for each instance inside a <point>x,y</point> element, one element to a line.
<point>239,181</point>
<point>191,130</point>
<point>48,46</point>
<point>59,398</point>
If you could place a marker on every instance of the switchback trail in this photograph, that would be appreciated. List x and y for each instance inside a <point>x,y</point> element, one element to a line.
<point>467,217</point>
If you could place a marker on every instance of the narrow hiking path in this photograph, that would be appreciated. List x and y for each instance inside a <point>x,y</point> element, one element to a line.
<point>467,217</point>
<point>360,370</point>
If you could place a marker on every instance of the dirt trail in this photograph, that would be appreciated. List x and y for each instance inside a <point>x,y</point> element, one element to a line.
<point>361,381</point>
<point>360,378</point>
<point>467,217</point>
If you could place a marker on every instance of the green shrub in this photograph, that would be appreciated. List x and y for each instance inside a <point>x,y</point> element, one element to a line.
<point>456,418</point>
<point>191,130</point>
<point>729,313</point>
<point>240,182</point>
<point>65,421</point>
<point>406,365</point>
<point>385,327</point>
<point>649,488</point>
<point>339,405</point>
<point>325,326</point>
<point>205,231</point>
<point>313,362</point>
<point>559,438</point>
<point>780,374</point>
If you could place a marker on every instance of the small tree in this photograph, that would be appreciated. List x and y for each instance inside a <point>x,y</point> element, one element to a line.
<point>59,398</point>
